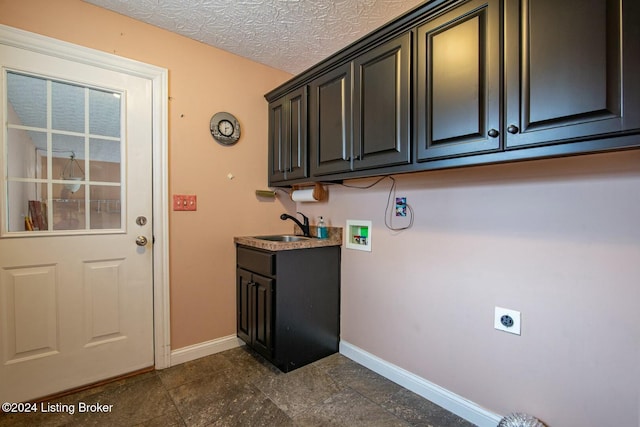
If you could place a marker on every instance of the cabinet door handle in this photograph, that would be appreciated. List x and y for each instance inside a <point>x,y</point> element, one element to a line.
<point>513,129</point>
<point>493,133</point>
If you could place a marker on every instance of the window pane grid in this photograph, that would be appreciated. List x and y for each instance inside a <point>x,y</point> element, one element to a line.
<point>70,201</point>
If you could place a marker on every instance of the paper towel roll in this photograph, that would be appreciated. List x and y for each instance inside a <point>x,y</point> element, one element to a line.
<point>303,196</point>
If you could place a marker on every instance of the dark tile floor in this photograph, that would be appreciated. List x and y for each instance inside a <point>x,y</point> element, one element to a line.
<point>239,388</point>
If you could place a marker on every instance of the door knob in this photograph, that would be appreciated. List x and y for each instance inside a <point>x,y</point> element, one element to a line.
<point>141,241</point>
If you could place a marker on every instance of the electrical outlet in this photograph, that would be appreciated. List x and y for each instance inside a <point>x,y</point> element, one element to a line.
<point>401,206</point>
<point>183,202</point>
<point>507,320</point>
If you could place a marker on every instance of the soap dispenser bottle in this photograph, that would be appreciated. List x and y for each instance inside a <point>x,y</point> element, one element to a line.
<point>322,229</point>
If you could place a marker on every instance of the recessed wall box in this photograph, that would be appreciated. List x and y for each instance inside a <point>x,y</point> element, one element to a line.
<point>358,235</point>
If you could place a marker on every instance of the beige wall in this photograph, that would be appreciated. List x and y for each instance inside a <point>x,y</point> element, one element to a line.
<point>558,240</point>
<point>202,81</point>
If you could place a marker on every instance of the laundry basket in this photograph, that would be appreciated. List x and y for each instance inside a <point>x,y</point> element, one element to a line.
<point>520,420</point>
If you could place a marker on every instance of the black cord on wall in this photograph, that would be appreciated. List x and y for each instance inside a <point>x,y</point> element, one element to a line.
<point>388,212</point>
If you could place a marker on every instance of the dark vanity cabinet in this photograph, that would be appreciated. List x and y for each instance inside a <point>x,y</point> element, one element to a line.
<point>288,137</point>
<point>360,111</point>
<point>288,303</point>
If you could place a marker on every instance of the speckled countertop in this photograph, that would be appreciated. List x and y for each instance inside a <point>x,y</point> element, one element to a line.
<point>334,239</point>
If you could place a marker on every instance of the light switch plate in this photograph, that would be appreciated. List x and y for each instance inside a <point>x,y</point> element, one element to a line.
<point>185,202</point>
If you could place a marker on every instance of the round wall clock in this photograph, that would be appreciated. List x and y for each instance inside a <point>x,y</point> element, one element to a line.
<point>225,128</point>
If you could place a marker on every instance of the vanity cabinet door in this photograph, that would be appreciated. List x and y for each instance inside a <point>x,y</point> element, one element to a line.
<point>458,82</point>
<point>572,70</point>
<point>243,304</point>
<point>254,299</point>
<point>262,309</point>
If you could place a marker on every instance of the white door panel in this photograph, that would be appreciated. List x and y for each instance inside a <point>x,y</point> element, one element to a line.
<point>76,304</point>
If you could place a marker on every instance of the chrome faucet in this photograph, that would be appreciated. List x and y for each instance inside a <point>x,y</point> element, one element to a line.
<point>304,227</point>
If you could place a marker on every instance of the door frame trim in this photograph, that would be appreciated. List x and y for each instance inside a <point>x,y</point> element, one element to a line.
<point>159,78</point>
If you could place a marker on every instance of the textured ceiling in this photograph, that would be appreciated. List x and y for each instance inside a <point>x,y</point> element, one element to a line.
<point>290,35</point>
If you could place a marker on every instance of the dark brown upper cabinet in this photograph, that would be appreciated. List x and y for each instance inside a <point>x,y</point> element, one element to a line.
<point>458,82</point>
<point>382,105</point>
<point>330,122</point>
<point>288,137</point>
<point>367,124</point>
<point>572,70</point>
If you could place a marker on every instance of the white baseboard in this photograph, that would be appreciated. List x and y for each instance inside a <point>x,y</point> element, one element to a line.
<point>207,348</point>
<point>440,396</point>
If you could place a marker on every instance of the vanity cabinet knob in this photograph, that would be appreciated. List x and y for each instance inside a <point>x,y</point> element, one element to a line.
<point>493,133</point>
<point>513,129</point>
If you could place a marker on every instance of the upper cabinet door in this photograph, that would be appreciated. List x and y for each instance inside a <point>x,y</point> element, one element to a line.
<point>288,137</point>
<point>572,69</point>
<point>458,82</point>
<point>330,122</point>
<point>296,153</point>
<point>382,105</point>
<point>277,140</point>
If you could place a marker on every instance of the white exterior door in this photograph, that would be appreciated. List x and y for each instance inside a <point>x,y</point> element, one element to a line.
<point>76,276</point>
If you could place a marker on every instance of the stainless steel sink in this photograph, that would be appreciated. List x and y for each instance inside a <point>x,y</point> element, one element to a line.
<point>282,238</point>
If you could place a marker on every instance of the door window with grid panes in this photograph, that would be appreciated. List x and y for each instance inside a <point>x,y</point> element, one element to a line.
<point>63,168</point>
